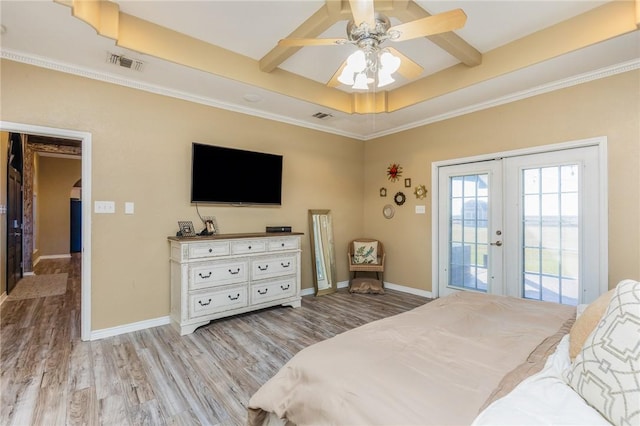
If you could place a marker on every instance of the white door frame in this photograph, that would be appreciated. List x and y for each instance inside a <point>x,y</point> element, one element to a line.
<point>600,142</point>
<point>85,137</point>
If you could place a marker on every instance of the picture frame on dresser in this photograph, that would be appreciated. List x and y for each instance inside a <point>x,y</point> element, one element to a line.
<point>186,229</point>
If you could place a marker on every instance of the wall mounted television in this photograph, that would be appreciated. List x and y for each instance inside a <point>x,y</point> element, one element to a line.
<point>223,175</point>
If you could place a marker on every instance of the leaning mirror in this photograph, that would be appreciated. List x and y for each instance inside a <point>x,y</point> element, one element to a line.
<point>323,258</point>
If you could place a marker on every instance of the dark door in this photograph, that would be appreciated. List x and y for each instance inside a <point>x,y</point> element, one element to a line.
<point>76,226</point>
<point>14,228</point>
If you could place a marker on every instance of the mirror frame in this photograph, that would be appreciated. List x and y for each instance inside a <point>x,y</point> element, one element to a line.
<point>332,258</point>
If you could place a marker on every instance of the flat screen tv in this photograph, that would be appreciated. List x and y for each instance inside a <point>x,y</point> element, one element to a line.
<point>232,176</point>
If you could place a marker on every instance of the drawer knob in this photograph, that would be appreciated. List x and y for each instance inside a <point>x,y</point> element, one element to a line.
<point>283,288</point>
<point>249,247</point>
<point>234,298</point>
<point>263,269</point>
<point>204,276</point>
<point>204,303</point>
<point>263,292</point>
<point>281,244</point>
<point>236,272</point>
<point>285,266</point>
<point>210,250</point>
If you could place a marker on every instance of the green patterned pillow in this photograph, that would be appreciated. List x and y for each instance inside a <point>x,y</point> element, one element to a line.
<point>365,252</point>
<point>606,373</point>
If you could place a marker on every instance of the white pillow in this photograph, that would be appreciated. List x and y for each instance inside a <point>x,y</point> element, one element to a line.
<point>606,373</point>
<point>365,252</point>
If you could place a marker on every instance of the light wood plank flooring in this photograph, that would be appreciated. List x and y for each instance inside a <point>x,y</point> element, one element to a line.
<point>48,376</point>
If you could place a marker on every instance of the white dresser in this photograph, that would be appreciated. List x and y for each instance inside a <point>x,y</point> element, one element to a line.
<point>222,275</point>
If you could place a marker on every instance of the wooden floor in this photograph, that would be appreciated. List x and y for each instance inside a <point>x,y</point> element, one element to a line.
<point>49,376</point>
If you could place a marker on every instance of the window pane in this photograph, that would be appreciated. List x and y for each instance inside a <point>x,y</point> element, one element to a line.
<point>551,234</point>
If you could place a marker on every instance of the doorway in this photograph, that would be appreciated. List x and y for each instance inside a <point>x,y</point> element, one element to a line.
<point>14,228</point>
<point>85,139</point>
<point>524,224</point>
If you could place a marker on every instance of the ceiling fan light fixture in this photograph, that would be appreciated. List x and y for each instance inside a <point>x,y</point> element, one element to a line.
<point>357,61</point>
<point>361,82</point>
<point>389,63</point>
<point>346,77</point>
<point>384,79</point>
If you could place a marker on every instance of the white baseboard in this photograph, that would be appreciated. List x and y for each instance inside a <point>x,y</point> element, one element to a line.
<point>410,290</point>
<point>391,286</point>
<point>27,273</point>
<point>55,256</point>
<point>128,328</point>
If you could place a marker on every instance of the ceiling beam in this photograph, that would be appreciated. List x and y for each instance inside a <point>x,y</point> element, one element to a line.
<point>610,20</point>
<point>319,22</point>
<point>450,42</point>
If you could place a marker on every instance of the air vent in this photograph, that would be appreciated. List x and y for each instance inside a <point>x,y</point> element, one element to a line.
<point>322,115</point>
<point>125,62</point>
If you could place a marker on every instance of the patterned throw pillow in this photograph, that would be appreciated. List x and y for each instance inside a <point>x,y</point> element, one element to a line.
<point>606,373</point>
<point>365,252</point>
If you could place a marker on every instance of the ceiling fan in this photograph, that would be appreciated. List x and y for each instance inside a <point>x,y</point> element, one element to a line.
<point>368,30</point>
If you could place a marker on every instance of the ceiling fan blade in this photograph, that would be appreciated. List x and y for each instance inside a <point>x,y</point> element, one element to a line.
<point>334,79</point>
<point>362,11</point>
<point>408,69</point>
<point>290,42</point>
<point>436,24</point>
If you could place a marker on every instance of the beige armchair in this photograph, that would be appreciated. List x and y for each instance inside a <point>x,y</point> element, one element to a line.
<point>366,255</point>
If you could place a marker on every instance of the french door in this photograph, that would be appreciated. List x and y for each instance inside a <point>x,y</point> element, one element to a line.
<point>526,226</point>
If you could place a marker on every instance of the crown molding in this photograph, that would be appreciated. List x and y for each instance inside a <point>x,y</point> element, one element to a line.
<point>47,63</point>
<point>516,96</point>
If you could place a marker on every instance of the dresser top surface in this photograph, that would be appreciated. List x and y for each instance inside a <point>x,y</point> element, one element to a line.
<point>233,236</point>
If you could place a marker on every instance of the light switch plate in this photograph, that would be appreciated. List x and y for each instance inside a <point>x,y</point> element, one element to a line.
<point>421,209</point>
<point>128,207</point>
<point>104,207</point>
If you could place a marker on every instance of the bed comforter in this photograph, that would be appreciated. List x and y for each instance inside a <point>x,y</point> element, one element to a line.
<point>437,364</point>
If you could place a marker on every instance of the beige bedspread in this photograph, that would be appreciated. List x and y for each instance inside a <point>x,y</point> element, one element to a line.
<point>436,364</point>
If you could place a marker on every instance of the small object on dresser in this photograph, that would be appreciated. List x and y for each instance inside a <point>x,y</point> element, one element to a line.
<point>186,229</point>
<point>272,229</point>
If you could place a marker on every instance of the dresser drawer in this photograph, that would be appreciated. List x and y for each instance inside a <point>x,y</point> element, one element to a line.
<point>211,274</point>
<point>217,301</point>
<point>283,244</point>
<point>208,249</point>
<point>272,290</point>
<point>266,267</point>
<point>248,246</point>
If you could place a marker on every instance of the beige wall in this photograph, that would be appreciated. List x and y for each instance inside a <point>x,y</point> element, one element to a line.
<point>141,146</point>
<point>4,146</point>
<point>608,107</point>
<point>141,153</point>
<point>56,177</point>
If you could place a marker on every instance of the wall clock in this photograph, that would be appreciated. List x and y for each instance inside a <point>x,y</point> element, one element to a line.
<point>399,198</point>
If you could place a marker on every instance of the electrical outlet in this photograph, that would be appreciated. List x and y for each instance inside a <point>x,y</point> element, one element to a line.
<point>104,207</point>
<point>421,210</point>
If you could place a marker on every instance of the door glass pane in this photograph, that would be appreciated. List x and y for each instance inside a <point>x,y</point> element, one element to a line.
<point>468,239</point>
<point>550,241</point>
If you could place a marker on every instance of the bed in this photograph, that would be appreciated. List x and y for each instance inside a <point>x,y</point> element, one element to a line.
<point>460,359</point>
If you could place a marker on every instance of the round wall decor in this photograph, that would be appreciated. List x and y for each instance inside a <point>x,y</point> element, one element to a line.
<point>399,198</point>
<point>388,211</point>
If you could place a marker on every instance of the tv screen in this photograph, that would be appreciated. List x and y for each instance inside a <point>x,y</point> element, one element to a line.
<point>234,176</point>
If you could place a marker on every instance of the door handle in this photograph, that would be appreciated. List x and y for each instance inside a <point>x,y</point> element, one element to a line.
<point>497,243</point>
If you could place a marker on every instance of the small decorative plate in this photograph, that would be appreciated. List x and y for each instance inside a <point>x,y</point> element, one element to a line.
<point>420,191</point>
<point>399,198</point>
<point>388,211</point>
